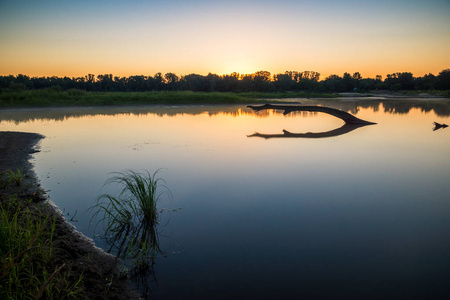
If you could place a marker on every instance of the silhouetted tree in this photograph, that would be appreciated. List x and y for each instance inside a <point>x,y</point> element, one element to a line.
<point>104,82</point>
<point>347,83</point>
<point>311,75</point>
<point>229,83</point>
<point>159,81</point>
<point>284,82</point>
<point>427,82</point>
<point>261,81</point>
<point>443,80</point>
<point>333,83</point>
<point>171,80</point>
<point>400,81</point>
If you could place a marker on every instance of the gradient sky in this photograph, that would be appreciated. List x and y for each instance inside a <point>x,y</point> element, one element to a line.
<point>74,38</point>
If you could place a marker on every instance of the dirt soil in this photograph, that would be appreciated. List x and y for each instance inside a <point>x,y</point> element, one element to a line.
<point>104,275</point>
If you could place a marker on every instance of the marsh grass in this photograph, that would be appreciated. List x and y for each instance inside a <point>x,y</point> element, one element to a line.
<point>55,97</point>
<point>15,177</point>
<point>28,269</point>
<point>130,218</point>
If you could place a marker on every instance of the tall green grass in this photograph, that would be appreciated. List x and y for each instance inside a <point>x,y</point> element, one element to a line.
<point>130,218</point>
<point>44,98</point>
<point>54,97</point>
<point>27,260</point>
<point>15,177</point>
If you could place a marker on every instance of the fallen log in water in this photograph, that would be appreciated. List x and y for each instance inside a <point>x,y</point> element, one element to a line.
<point>346,117</point>
<point>438,126</point>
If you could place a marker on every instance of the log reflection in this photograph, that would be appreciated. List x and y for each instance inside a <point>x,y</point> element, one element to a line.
<point>351,122</point>
<point>312,135</point>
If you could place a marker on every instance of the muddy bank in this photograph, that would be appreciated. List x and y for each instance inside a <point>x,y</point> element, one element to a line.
<point>104,275</point>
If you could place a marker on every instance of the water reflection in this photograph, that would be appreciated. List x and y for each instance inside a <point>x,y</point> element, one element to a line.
<point>439,126</point>
<point>346,117</point>
<point>351,122</point>
<point>313,135</point>
<point>393,106</point>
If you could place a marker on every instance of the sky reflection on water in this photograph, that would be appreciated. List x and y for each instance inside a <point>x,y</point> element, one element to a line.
<point>360,215</point>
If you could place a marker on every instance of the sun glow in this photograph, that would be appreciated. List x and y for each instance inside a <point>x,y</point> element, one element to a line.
<point>240,68</point>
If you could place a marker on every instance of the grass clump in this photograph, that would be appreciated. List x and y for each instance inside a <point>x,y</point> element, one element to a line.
<point>29,269</point>
<point>130,219</point>
<point>15,177</point>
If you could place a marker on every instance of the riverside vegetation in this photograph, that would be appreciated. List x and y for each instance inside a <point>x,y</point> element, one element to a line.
<point>106,89</point>
<point>41,255</point>
<point>31,266</point>
<point>130,221</point>
<point>57,97</point>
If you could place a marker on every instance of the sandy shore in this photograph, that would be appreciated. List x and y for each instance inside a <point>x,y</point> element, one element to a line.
<point>104,276</point>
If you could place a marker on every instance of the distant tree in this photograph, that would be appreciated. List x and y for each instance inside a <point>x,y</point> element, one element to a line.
<point>443,80</point>
<point>356,76</point>
<point>307,85</point>
<point>333,83</point>
<point>356,80</point>
<point>90,81</point>
<point>311,75</point>
<point>246,84</point>
<point>213,80</point>
<point>235,75</point>
<point>229,83</point>
<point>121,84</point>
<point>427,82</point>
<point>137,83</point>
<point>262,81</point>
<point>406,81</point>
<point>159,82</point>
<point>284,82</point>
<point>347,83</point>
<point>195,82</point>
<point>400,81</point>
<point>262,75</point>
<point>367,84</point>
<point>104,82</point>
<point>171,80</point>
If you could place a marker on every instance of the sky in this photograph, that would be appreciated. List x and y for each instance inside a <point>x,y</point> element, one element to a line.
<point>124,38</point>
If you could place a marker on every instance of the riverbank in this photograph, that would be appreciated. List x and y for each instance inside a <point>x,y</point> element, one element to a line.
<point>56,98</point>
<point>103,276</point>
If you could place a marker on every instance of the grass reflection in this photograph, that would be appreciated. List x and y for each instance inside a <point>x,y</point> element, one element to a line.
<point>130,219</point>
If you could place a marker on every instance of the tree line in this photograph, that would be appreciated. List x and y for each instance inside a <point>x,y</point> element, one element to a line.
<point>261,81</point>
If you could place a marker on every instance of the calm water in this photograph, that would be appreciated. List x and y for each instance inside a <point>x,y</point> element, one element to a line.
<point>365,214</point>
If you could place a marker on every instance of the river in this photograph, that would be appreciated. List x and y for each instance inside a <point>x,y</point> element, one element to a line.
<point>354,215</point>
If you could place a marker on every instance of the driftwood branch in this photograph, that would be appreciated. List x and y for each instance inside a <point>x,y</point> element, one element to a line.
<point>346,117</point>
<point>439,126</point>
<point>312,135</point>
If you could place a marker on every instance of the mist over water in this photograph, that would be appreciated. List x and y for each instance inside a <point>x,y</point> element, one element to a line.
<point>359,215</point>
